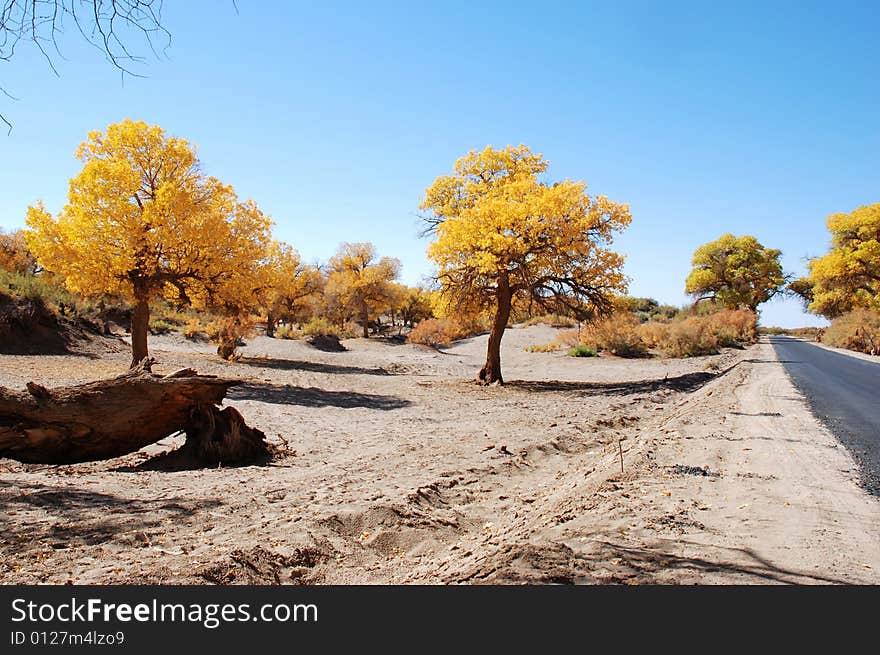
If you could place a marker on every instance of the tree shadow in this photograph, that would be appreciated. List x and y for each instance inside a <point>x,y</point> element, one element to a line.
<point>768,414</point>
<point>645,560</point>
<point>312,367</point>
<point>314,397</point>
<point>686,382</point>
<point>85,518</point>
<point>771,361</point>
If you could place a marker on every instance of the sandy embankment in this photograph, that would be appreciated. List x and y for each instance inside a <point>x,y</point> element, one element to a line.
<point>402,471</point>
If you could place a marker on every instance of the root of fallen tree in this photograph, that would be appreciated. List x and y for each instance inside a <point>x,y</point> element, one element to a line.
<point>109,418</point>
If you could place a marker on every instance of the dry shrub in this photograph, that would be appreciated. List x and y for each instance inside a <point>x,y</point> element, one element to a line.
<point>702,335</point>
<point>655,333</point>
<point>734,328</point>
<point>691,337</point>
<point>443,331</point>
<point>433,332</point>
<point>350,330</point>
<point>287,332</point>
<point>804,332</point>
<point>320,327</point>
<point>858,330</point>
<point>551,347</point>
<point>230,334</point>
<point>618,334</point>
<point>567,338</point>
<point>193,329</point>
<point>553,320</point>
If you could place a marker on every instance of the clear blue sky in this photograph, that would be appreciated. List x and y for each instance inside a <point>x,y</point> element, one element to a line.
<point>757,118</point>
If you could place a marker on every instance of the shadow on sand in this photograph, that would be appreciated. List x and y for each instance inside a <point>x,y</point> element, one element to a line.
<point>314,397</point>
<point>687,382</point>
<point>647,560</point>
<point>80,517</point>
<point>312,367</point>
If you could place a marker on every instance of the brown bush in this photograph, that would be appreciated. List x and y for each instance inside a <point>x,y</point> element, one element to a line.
<point>443,331</point>
<point>655,333</point>
<point>690,337</point>
<point>734,328</point>
<point>702,335</point>
<point>858,330</point>
<point>553,320</point>
<point>617,334</point>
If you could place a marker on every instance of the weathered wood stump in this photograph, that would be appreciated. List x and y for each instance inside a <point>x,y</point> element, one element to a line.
<point>109,418</point>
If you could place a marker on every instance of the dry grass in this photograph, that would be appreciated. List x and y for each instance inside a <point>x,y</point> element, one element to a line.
<point>702,335</point>
<point>551,347</point>
<point>443,331</point>
<point>858,330</point>
<point>553,320</point>
<point>618,334</point>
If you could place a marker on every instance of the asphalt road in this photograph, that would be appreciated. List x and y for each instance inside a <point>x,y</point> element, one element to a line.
<point>844,393</point>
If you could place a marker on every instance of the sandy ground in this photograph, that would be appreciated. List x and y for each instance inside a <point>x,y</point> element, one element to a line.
<point>400,470</point>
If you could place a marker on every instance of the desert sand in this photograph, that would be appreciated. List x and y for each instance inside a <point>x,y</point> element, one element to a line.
<point>399,469</point>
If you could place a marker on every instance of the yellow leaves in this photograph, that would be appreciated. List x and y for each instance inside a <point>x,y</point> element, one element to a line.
<point>848,277</point>
<point>495,215</point>
<point>359,285</point>
<point>736,271</point>
<point>141,219</point>
<point>14,253</point>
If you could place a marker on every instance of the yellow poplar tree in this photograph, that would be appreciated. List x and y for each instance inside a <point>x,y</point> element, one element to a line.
<point>14,253</point>
<point>359,283</point>
<point>415,306</point>
<point>501,234</point>
<point>736,272</point>
<point>142,221</point>
<point>290,285</point>
<point>848,276</point>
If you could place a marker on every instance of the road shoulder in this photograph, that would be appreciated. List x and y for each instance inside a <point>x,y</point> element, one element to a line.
<point>741,485</point>
<point>843,351</point>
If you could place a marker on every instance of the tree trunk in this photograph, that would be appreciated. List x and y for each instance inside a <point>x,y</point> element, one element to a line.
<point>140,325</point>
<point>491,371</point>
<point>109,418</point>
<point>365,319</point>
<point>270,325</point>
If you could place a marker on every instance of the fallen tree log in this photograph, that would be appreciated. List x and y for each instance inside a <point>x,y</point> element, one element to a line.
<point>109,418</point>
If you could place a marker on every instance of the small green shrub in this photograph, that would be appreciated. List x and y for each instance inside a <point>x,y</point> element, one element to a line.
<point>582,351</point>
<point>318,327</point>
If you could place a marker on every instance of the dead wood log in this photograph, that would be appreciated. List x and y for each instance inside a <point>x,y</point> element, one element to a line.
<point>109,418</point>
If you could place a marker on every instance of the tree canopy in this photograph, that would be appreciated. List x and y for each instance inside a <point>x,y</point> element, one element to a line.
<point>502,234</point>
<point>848,276</point>
<point>736,272</point>
<point>142,221</point>
<point>359,284</point>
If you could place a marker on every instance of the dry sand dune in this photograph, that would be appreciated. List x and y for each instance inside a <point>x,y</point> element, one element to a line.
<point>401,470</point>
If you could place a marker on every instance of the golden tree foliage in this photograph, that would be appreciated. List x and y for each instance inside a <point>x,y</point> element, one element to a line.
<point>848,277</point>
<point>736,272</point>
<point>289,286</point>
<point>501,235</point>
<point>142,221</point>
<point>359,285</point>
<point>415,306</point>
<point>14,253</point>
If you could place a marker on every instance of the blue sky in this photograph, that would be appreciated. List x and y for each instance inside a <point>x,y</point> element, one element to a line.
<point>758,118</point>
